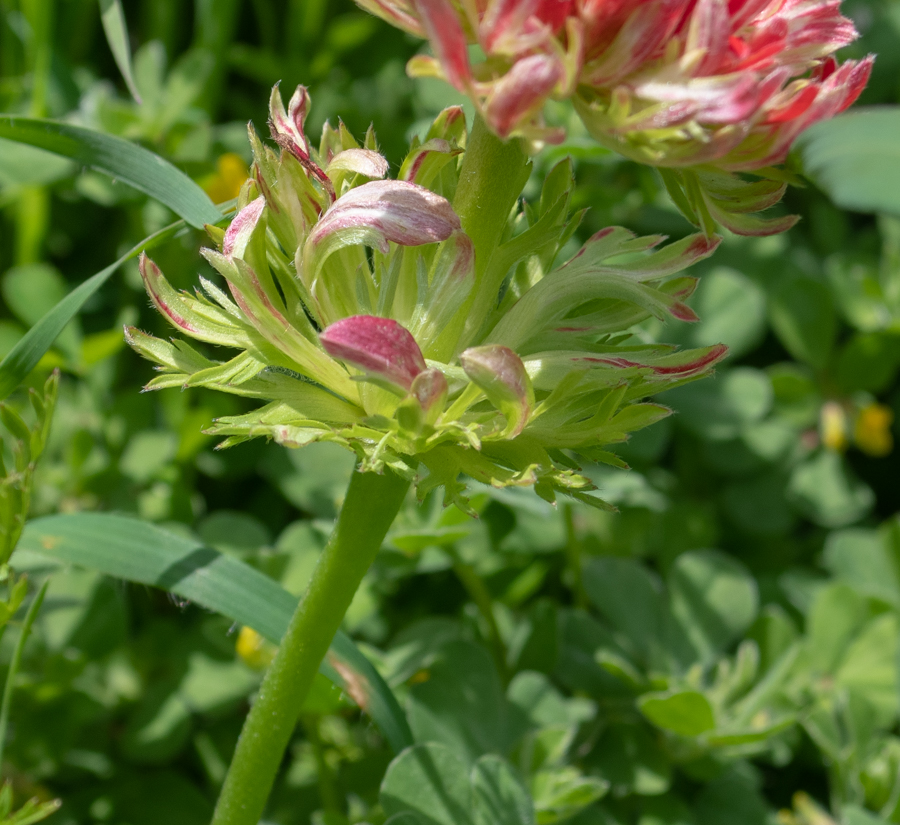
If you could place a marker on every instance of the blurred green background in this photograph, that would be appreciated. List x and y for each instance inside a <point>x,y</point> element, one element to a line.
<point>724,648</point>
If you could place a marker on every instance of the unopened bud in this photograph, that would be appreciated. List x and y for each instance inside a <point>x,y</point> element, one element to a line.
<point>500,373</point>
<point>378,346</point>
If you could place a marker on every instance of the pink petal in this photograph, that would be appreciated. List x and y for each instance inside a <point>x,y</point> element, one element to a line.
<point>504,20</point>
<point>361,162</point>
<point>398,13</point>
<point>379,346</point>
<point>287,129</point>
<point>389,210</point>
<point>642,34</point>
<point>447,38</point>
<point>521,91</point>
<point>241,227</point>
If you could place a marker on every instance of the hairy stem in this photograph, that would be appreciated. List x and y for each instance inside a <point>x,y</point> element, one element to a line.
<point>371,504</point>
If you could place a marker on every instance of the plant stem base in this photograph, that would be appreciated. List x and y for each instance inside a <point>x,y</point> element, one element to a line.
<point>369,509</point>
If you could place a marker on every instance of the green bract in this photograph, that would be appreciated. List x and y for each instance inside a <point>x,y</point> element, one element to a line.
<point>360,317</point>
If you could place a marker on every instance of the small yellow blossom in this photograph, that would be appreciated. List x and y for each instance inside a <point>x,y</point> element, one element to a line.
<point>833,426</point>
<point>229,177</point>
<point>872,431</point>
<point>254,649</point>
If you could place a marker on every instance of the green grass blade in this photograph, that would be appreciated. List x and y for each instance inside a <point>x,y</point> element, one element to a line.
<point>121,159</point>
<point>141,552</point>
<point>16,660</point>
<point>855,158</point>
<point>24,356</point>
<point>116,31</point>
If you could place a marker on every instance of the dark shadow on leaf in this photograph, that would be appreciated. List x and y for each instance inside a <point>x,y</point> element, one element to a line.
<point>181,569</point>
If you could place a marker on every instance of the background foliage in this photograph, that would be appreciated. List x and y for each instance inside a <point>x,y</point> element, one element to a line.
<point>724,648</point>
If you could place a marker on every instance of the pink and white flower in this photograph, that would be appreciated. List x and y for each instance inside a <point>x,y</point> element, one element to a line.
<point>667,82</point>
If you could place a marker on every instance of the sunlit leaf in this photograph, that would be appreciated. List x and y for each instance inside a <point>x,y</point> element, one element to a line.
<point>24,356</point>
<point>141,552</point>
<point>121,159</point>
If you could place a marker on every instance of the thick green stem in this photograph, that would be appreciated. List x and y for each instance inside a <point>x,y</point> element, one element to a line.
<point>371,504</point>
<point>492,177</point>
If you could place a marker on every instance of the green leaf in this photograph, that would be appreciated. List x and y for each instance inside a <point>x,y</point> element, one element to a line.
<point>31,290</point>
<point>825,490</point>
<point>543,705</point>
<point>430,781</point>
<point>116,31</point>
<point>630,758</point>
<point>147,453</point>
<point>626,593</point>
<point>561,793</point>
<point>714,600</point>
<point>861,559</point>
<point>720,409</point>
<point>757,505</point>
<point>24,356</point>
<point>835,617</point>
<point>869,668</point>
<point>804,318</point>
<point>120,159</point>
<point>498,796</point>
<point>732,799</point>
<point>684,712</point>
<point>22,165</point>
<point>854,815</point>
<point>867,362</point>
<point>732,310</point>
<point>137,551</point>
<point>462,703</point>
<point>236,533</point>
<point>855,158</point>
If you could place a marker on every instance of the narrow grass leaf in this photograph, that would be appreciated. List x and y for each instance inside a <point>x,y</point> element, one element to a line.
<point>117,36</point>
<point>141,552</point>
<point>24,356</point>
<point>121,159</point>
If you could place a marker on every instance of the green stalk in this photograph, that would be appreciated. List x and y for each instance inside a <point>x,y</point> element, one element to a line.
<point>30,616</point>
<point>371,504</point>
<point>492,177</point>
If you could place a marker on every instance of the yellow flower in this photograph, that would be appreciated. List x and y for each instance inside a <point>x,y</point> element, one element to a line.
<point>872,431</point>
<point>254,649</point>
<point>229,177</point>
<point>833,426</point>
